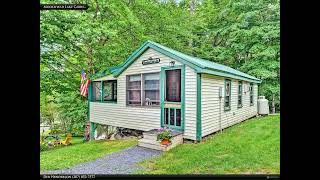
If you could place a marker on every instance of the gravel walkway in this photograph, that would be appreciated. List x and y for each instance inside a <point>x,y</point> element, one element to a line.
<point>123,162</point>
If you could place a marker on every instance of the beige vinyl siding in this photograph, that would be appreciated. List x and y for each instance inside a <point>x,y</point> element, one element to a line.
<point>210,104</point>
<point>190,104</point>
<point>145,118</point>
<point>119,116</point>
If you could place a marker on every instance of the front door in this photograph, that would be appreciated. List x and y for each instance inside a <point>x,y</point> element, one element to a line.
<point>172,97</point>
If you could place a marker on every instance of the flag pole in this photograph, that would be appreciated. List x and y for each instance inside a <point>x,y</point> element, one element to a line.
<point>85,90</point>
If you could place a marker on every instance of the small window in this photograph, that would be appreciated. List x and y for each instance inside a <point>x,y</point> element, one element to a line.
<point>178,117</point>
<point>134,90</point>
<point>110,91</point>
<point>227,95</point>
<point>251,94</point>
<point>96,91</point>
<point>240,94</point>
<point>172,117</point>
<point>166,116</point>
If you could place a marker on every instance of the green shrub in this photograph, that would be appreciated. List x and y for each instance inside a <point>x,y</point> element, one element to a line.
<point>77,132</point>
<point>56,131</point>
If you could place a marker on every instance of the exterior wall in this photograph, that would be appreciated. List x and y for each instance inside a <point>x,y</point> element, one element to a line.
<point>210,104</point>
<point>145,118</point>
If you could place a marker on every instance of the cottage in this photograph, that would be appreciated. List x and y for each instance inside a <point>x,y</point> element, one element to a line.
<point>158,86</point>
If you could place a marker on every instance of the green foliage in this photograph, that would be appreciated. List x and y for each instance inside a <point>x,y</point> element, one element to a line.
<point>246,36</point>
<point>73,112</point>
<point>48,109</point>
<point>243,34</point>
<point>56,131</point>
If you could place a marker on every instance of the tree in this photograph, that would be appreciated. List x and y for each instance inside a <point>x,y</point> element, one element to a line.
<point>242,34</point>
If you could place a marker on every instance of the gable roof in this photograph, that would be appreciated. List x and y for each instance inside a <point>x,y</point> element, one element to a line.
<point>199,65</point>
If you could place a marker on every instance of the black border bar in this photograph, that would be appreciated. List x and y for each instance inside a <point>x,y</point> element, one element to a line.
<point>64,6</point>
<point>98,176</point>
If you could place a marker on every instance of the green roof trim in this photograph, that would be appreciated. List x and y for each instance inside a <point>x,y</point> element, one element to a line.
<point>199,65</point>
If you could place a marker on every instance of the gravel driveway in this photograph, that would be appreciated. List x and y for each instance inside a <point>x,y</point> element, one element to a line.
<point>123,162</point>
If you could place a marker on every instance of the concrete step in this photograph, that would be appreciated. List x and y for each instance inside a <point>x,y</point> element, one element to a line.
<point>149,141</point>
<point>151,133</point>
<point>150,137</point>
<point>150,146</point>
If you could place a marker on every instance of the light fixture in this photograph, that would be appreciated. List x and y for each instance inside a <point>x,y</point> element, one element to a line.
<point>172,63</point>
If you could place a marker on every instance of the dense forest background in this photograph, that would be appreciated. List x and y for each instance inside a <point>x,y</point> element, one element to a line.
<point>243,34</point>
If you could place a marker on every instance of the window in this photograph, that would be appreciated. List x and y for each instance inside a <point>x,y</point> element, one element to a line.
<point>105,89</point>
<point>110,90</point>
<point>151,89</point>
<point>166,116</point>
<point>96,91</point>
<point>251,94</point>
<point>134,90</point>
<point>240,94</point>
<point>227,95</point>
<point>172,119</point>
<point>173,85</point>
<point>143,89</point>
<point>178,117</point>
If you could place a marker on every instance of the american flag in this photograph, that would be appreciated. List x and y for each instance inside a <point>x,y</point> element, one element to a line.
<point>84,84</point>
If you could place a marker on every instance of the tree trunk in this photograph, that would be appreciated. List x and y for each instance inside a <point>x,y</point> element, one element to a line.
<point>192,9</point>
<point>273,104</point>
<point>90,60</point>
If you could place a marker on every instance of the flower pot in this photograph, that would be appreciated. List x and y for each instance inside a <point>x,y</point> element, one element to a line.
<point>165,142</point>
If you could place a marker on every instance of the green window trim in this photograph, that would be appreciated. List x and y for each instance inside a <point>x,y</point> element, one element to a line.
<point>227,108</point>
<point>240,92</point>
<point>199,123</point>
<point>251,94</point>
<point>162,95</point>
<point>93,127</point>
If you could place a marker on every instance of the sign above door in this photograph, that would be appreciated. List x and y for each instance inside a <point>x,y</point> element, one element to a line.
<point>150,60</point>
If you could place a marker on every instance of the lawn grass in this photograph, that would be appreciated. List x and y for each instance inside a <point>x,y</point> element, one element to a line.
<point>76,153</point>
<point>250,147</point>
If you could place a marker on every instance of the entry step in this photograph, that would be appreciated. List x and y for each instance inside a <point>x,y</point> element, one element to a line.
<point>149,140</point>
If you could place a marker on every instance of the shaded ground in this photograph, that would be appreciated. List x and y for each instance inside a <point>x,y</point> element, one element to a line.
<point>123,162</point>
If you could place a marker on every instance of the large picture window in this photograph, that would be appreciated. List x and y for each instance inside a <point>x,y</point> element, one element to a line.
<point>143,89</point>
<point>227,95</point>
<point>110,91</point>
<point>240,94</point>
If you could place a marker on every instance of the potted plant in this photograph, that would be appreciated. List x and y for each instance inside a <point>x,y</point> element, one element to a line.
<point>164,136</point>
